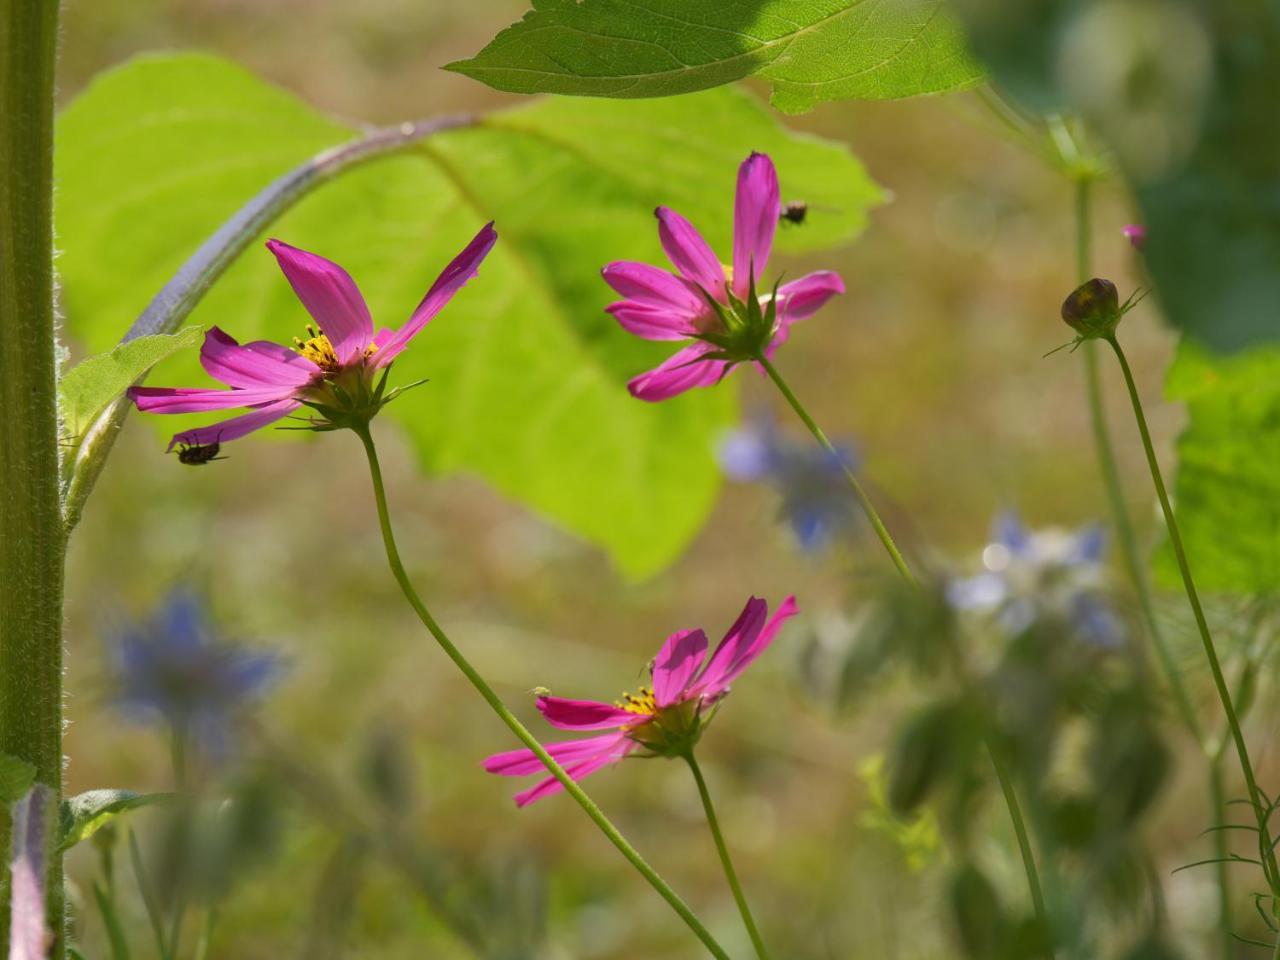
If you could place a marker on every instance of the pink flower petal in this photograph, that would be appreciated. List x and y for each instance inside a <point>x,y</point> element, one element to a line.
<point>689,253</point>
<point>801,299</point>
<point>454,277</point>
<point>681,372</point>
<point>747,653</point>
<point>237,427</point>
<point>258,364</point>
<point>583,714</point>
<point>756,208</point>
<point>743,632</point>
<point>196,400</point>
<point>676,664</point>
<point>519,763</point>
<point>650,287</point>
<point>576,771</point>
<point>330,296</point>
<point>652,323</point>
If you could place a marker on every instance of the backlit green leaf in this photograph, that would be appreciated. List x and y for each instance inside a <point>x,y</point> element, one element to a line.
<point>527,374</point>
<point>85,814</point>
<point>810,50</point>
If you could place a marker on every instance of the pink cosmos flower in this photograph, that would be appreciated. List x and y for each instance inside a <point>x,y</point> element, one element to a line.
<point>337,362</point>
<point>665,719</point>
<point>704,300</point>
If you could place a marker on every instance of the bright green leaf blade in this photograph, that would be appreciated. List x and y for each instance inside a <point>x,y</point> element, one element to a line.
<point>527,373</point>
<point>811,50</point>
<point>86,389</point>
<point>83,815</point>
<point>1227,491</point>
<point>16,778</point>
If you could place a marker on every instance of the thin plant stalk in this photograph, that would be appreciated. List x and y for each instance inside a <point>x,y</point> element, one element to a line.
<point>513,723</point>
<point>1129,552</point>
<point>899,562</point>
<point>868,507</point>
<point>1202,624</point>
<point>730,874</point>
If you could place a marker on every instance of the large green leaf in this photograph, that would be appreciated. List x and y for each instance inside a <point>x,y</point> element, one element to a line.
<point>1228,484</point>
<point>1184,93</point>
<point>527,373</point>
<point>810,50</point>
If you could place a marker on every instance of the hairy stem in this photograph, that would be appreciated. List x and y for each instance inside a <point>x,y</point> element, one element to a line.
<point>1206,638</point>
<point>32,545</point>
<point>868,507</point>
<point>513,723</point>
<point>723,850</point>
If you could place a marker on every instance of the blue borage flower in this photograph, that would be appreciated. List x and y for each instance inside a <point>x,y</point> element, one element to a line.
<point>1031,576</point>
<point>815,499</point>
<point>173,666</point>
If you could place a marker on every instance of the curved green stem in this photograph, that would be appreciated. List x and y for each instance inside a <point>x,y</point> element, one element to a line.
<point>522,733</point>
<point>1006,785</point>
<point>1024,840</point>
<point>1206,638</point>
<point>868,507</point>
<point>722,849</point>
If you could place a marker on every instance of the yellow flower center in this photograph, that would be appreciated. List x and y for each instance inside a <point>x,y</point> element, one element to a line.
<point>319,349</point>
<point>640,702</point>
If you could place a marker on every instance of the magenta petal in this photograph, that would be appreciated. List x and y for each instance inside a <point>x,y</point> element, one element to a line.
<point>681,372</point>
<point>236,427</point>
<point>652,287</point>
<point>801,299</point>
<point>739,637</point>
<point>455,276</point>
<point>652,323</point>
<point>576,771</point>
<point>689,253</point>
<point>519,763</point>
<point>330,296</point>
<point>583,714</point>
<point>258,364</point>
<point>747,654</point>
<point>195,400</point>
<point>756,208</point>
<point>675,665</point>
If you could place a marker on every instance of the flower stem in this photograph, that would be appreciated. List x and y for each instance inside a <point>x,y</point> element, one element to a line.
<point>722,849</point>
<point>1210,651</point>
<point>34,549</point>
<point>1020,831</point>
<point>1006,785</point>
<point>881,530</point>
<point>522,733</point>
<point>1111,482</point>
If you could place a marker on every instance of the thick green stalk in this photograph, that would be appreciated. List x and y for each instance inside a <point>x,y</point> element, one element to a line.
<point>868,507</point>
<point>32,546</point>
<point>513,723</point>
<point>726,861</point>
<point>1202,624</point>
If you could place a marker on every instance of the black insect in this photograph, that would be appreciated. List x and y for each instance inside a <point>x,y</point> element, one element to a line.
<point>794,212</point>
<point>197,454</point>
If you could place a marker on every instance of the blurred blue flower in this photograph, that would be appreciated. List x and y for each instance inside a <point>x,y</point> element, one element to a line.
<point>175,667</point>
<point>816,500</point>
<point>1030,576</point>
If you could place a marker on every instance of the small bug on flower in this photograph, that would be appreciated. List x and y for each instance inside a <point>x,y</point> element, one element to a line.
<point>198,454</point>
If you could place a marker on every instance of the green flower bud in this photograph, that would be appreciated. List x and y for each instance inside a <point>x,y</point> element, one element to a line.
<point>1093,309</point>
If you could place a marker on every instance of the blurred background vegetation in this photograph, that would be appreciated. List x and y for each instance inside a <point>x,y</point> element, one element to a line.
<point>932,364</point>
